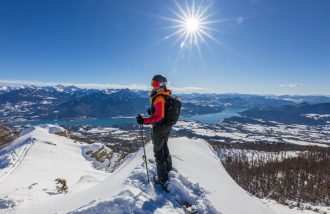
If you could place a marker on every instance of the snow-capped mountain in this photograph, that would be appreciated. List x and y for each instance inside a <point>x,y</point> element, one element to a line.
<point>303,113</point>
<point>29,103</point>
<point>31,163</point>
<point>69,102</point>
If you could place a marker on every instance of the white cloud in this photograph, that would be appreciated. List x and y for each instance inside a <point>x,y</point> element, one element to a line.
<point>240,20</point>
<point>80,85</point>
<point>292,85</point>
<point>20,82</point>
<point>188,89</point>
<point>101,86</point>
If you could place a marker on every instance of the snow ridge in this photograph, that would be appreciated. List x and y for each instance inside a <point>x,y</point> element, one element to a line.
<point>14,157</point>
<point>40,157</point>
<point>142,197</point>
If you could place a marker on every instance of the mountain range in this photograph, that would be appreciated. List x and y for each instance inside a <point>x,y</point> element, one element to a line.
<point>303,113</point>
<point>70,102</point>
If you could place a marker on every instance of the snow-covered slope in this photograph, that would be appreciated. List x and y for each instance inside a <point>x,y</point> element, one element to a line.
<point>199,178</point>
<point>31,163</point>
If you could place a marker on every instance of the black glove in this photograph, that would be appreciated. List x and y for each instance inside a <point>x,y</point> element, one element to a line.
<point>149,111</point>
<point>139,120</point>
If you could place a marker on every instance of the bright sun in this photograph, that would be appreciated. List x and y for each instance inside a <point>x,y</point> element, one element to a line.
<point>192,25</point>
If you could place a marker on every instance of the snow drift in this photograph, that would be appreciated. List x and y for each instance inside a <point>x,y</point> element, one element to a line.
<point>30,164</point>
<point>40,157</point>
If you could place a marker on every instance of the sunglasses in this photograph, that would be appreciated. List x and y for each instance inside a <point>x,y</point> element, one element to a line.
<point>155,83</point>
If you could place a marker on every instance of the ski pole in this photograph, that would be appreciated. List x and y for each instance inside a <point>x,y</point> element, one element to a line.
<point>144,157</point>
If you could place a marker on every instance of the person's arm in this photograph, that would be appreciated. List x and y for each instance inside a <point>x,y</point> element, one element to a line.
<point>158,116</point>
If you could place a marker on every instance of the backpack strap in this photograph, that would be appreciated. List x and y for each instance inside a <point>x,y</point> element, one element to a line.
<point>163,95</point>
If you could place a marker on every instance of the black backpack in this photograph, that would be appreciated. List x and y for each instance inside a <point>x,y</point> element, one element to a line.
<point>172,110</point>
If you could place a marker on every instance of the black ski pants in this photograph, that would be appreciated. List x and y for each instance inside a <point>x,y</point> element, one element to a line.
<point>160,134</point>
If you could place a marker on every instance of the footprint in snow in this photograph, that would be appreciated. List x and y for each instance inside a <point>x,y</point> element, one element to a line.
<point>141,197</point>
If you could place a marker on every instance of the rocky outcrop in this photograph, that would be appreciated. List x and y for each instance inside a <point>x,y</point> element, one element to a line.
<point>7,135</point>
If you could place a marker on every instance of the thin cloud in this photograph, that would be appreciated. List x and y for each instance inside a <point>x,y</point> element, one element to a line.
<point>240,20</point>
<point>292,85</point>
<point>189,89</point>
<point>100,86</point>
<point>80,85</point>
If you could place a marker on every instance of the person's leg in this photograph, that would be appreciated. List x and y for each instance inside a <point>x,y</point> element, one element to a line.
<point>167,153</point>
<point>158,142</point>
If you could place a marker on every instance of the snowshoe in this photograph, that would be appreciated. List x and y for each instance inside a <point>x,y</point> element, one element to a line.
<point>174,170</point>
<point>165,186</point>
<point>188,208</point>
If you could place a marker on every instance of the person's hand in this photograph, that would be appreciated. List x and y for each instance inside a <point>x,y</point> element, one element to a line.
<point>149,111</point>
<point>139,120</point>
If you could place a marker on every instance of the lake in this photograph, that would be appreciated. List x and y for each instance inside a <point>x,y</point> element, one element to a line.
<point>205,118</point>
<point>215,117</point>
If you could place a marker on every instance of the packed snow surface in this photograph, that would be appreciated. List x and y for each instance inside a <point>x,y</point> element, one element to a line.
<point>34,160</point>
<point>31,163</point>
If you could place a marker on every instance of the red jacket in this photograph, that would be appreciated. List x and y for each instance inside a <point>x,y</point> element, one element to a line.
<point>159,108</point>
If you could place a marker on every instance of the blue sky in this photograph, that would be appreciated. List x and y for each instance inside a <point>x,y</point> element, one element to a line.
<point>263,47</point>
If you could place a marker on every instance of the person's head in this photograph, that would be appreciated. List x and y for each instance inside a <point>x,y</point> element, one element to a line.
<point>158,81</point>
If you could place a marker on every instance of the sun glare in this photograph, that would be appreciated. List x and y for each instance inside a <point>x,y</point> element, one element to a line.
<point>192,23</point>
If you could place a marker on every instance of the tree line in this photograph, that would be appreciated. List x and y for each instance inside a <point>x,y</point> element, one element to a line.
<point>283,173</point>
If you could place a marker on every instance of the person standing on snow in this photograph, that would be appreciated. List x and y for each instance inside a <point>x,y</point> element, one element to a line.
<point>160,130</point>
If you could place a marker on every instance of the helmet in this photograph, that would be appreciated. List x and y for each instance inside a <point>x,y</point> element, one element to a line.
<point>158,81</point>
